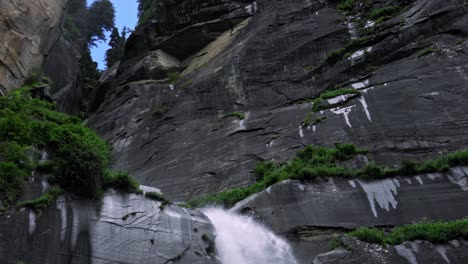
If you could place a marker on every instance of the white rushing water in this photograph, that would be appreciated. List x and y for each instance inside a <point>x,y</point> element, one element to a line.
<point>241,240</point>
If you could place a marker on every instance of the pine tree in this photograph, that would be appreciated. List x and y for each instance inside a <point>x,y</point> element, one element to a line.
<point>117,47</point>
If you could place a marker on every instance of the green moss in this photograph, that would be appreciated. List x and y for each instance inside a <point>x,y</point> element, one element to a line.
<point>238,115</point>
<point>435,232</point>
<point>384,13</point>
<point>41,203</point>
<point>346,5</point>
<point>159,109</point>
<point>186,84</point>
<point>426,52</point>
<point>337,243</point>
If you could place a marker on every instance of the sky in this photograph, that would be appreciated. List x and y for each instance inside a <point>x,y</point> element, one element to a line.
<point>125,16</point>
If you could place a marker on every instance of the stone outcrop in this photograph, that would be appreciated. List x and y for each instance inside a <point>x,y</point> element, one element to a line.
<point>29,29</point>
<point>123,228</point>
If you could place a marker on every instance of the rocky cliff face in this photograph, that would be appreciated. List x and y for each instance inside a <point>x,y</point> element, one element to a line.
<point>249,73</point>
<point>29,30</point>
<point>245,90</point>
<point>32,41</point>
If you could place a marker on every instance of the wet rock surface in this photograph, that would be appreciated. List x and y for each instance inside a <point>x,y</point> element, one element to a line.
<point>313,214</point>
<point>177,137</point>
<point>408,252</point>
<point>123,228</point>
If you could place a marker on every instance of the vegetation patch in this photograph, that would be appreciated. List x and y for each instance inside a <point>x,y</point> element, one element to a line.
<point>346,5</point>
<point>426,52</point>
<point>342,53</point>
<point>120,180</point>
<point>238,115</point>
<point>331,94</point>
<point>310,163</point>
<point>435,232</point>
<point>318,162</point>
<point>41,203</point>
<point>381,14</point>
<point>158,197</point>
<point>337,243</point>
<point>173,77</point>
<point>80,156</point>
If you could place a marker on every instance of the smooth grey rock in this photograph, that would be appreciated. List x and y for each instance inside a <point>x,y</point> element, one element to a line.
<point>123,228</point>
<point>341,203</point>
<point>409,252</point>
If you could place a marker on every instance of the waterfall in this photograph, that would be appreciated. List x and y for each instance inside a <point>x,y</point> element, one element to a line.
<point>241,240</point>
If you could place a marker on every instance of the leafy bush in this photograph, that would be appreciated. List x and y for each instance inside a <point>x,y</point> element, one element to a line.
<point>173,77</point>
<point>41,203</point>
<point>11,181</point>
<point>384,13</point>
<point>371,235</point>
<point>84,158</point>
<point>48,166</point>
<point>346,5</point>
<point>81,157</point>
<point>436,232</point>
<point>120,180</point>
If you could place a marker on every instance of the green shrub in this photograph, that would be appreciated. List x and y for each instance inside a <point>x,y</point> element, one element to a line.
<point>11,181</point>
<point>84,158</point>
<point>262,168</point>
<point>435,232</point>
<point>384,13</point>
<point>120,180</point>
<point>173,77</point>
<point>41,203</point>
<point>408,167</point>
<point>346,5</point>
<point>48,166</point>
<point>371,235</point>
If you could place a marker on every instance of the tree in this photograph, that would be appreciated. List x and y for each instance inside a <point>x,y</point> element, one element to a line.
<point>76,6</point>
<point>100,18</point>
<point>117,47</point>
